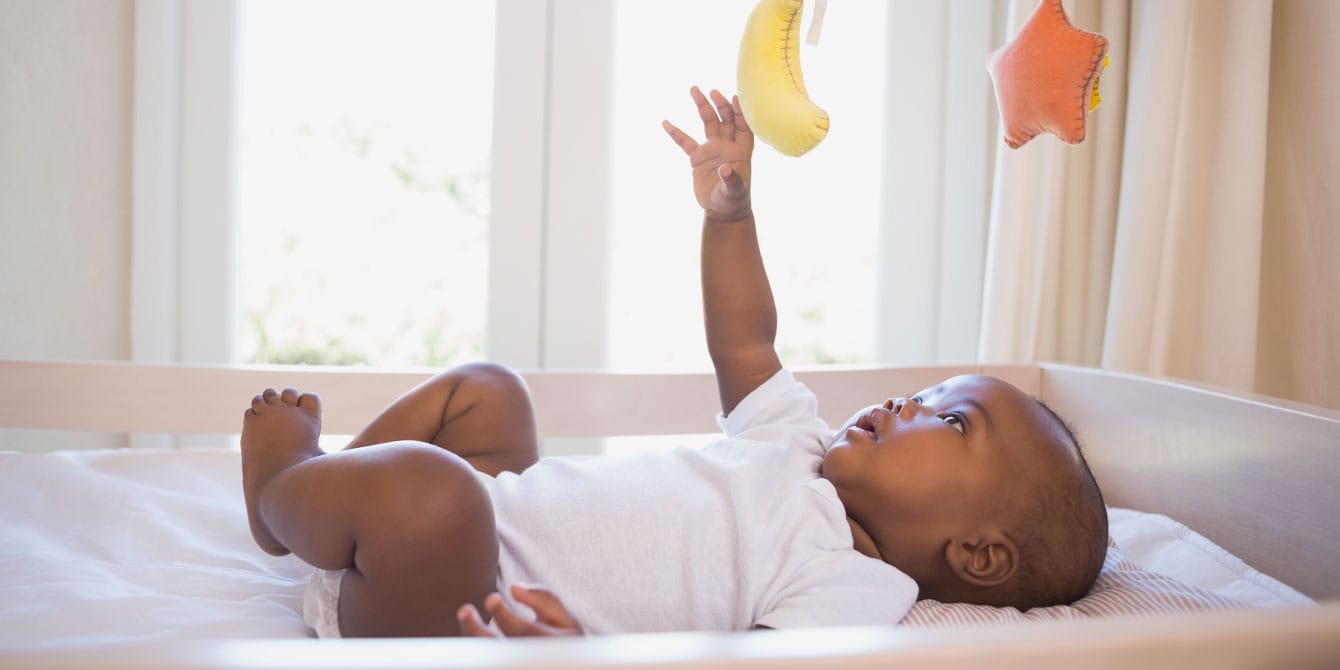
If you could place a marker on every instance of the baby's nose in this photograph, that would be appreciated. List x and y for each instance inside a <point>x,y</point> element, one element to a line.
<point>896,405</point>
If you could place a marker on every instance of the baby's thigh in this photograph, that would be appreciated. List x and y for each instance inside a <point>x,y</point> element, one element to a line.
<point>435,548</point>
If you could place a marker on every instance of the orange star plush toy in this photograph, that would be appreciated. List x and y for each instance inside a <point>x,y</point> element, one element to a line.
<point>1047,77</point>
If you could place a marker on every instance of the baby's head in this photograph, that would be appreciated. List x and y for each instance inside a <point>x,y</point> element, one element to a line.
<point>976,490</point>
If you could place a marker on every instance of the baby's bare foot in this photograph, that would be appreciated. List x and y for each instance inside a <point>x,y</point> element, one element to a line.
<point>279,431</point>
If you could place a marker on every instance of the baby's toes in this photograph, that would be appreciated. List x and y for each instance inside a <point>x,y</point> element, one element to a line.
<point>310,402</point>
<point>289,396</point>
<point>263,400</point>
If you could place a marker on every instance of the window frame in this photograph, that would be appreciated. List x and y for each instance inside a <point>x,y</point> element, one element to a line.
<point>547,304</point>
<point>546,223</point>
<point>183,274</point>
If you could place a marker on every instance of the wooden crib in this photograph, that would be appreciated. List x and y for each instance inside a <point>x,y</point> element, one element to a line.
<point>1256,475</point>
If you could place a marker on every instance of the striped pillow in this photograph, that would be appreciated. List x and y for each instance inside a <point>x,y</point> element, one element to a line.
<point>1123,587</point>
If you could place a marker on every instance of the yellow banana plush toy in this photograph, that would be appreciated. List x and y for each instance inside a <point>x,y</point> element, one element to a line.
<point>769,82</point>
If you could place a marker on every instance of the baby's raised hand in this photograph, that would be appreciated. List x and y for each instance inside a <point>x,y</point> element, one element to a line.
<point>721,163</point>
<point>551,617</point>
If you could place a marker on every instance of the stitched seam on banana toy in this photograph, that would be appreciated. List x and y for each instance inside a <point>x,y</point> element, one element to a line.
<point>787,46</point>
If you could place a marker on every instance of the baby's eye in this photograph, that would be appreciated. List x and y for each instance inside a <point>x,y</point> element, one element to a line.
<point>954,420</point>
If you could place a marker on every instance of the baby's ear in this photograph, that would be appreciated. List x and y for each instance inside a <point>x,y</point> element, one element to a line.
<point>985,560</point>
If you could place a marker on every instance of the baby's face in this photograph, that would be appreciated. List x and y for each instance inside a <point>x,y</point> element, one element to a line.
<point>916,472</point>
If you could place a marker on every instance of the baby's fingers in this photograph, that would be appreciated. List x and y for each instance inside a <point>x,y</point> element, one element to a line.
<point>548,608</point>
<point>471,625</point>
<point>740,122</point>
<point>509,622</point>
<point>707,112</point>
<point>686,143</point>
<point>725,112</point>
<point>744,135</point>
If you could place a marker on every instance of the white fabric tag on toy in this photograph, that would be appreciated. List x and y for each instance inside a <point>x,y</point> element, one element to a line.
<point>816,22</point>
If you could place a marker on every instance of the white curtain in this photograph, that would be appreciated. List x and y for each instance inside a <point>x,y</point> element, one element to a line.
<point>1140,249</point>
<point>1018,266</point>
<point>1298,342</point>
<point>1186,269</point>
<point>1151,247</point>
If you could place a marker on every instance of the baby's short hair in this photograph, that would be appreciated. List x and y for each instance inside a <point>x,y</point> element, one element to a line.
<point>1061,535</point>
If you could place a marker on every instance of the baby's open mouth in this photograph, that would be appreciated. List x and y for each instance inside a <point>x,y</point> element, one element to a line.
<point>866,422</point>
<point>873,419</point>
<point>863,431</point>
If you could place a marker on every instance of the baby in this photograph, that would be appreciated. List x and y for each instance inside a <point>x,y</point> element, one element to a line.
<point>969,491</point>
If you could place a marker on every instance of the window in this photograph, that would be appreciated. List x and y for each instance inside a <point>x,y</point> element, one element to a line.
<point>363,189</point>
<point>364,158</point>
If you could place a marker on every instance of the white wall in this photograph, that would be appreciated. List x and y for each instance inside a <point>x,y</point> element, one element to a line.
<point>65,110</point>
<point>65,114</point>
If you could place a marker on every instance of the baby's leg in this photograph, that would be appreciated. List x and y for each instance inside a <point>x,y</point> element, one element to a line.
<point>409,521</point>
<point>479,411</point>
<point>279,430</point>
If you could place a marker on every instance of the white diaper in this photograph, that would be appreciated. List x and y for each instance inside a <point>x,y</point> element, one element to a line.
<point>321,603</point>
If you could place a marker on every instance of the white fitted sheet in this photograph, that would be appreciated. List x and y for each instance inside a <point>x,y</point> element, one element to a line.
<point>130,546</point>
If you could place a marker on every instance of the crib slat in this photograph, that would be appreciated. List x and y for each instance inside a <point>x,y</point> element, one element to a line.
<point>118,396</point>
<point>134,397</point>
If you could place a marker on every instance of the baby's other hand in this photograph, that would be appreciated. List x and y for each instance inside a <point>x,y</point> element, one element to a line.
<point>551,617</point>
<point>721,164</point>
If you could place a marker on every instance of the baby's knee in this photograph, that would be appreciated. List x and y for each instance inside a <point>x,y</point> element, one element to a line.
<point>489,376</point>
<point>484,386</point>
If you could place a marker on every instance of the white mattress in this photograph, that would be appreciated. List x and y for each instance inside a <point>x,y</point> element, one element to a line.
<point>127,546</point>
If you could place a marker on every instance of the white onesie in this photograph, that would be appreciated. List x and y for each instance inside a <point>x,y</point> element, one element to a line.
<point>741,533</point>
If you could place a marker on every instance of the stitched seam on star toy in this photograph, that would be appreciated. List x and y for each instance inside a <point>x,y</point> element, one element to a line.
<point>1099,50</point>
<point>1059,10</point>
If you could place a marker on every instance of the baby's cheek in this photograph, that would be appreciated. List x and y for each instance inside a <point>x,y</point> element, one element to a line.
<point>927,485</point>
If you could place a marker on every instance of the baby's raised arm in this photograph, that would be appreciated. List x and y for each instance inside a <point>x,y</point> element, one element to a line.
<point>738,308</point>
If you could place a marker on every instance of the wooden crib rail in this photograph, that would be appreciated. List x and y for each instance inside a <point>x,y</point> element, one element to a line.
<point>1291,638</point>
